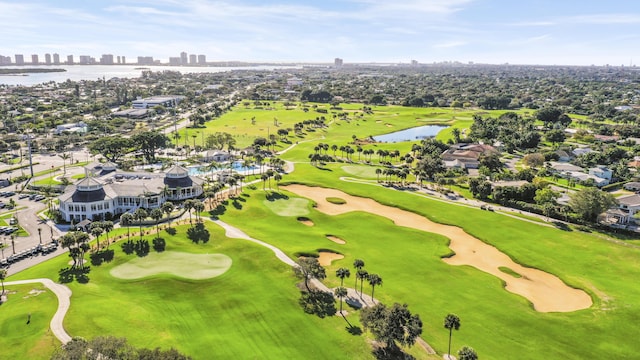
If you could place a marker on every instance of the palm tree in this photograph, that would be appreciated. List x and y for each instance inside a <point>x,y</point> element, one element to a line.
<point>156,214</point>
<point>126,219</point>
<point>467,353</point>
<point>374,280</point>
<point>188,205</point>
<point>140,214</point>
<point>3,275</point>
<point>198,207</point>
<point>341,292</point>
<point>362,275</point>
<point>277,177</point>
<point>357,264</point>
<point>96,231</point>
<point>167,208</point>
<point>107,226</point>
<point>343,273</point>
<point>64,157</point>
<point>451,321</point>
<point>378,172</point>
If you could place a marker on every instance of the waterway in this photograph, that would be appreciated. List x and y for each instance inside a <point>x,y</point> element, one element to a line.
<point>98,72</point>
<point>411,134</point>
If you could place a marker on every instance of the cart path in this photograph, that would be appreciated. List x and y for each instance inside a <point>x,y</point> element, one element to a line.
<point>63,293</point>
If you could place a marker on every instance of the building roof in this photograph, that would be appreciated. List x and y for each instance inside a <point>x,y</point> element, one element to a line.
<point>629,200</point>
<point>89,184</point>
<point>177,172</point>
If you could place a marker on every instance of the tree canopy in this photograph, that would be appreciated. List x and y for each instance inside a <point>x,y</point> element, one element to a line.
<point>112,147</point>
<point>590,202</point>
<point>148,142</point>
<point>392,324</point>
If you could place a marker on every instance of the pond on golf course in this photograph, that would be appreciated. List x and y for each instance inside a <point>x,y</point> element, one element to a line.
<point>411,134</point>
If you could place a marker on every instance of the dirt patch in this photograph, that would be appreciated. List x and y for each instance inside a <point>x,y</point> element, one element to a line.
<point>546,292</point>
<point>326,257</point>
<point>388,125</point>
<point>32,293</point>
<point>306,221</point>
<point>378,121</point>
<point>336,239</point>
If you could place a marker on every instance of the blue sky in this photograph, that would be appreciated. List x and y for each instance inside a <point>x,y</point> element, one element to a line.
<point>483,31</point>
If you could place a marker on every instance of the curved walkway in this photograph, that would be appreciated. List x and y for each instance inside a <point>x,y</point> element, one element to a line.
<point>63,294</point>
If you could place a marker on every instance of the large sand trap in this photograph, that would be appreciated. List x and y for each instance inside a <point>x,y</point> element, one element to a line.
<point>546,291</point>
<point>184,265</point>
<point>326,257</point>
<point>336,239</point>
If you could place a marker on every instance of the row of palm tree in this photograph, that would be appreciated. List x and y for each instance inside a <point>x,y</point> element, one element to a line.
<point>361,274</point>
<point>140,214</point>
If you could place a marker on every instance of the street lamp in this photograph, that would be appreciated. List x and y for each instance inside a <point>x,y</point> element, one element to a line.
<point>40,235</point>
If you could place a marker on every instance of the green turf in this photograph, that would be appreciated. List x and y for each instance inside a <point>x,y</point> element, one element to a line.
<point>182,265</point>
<point>288,207</point>
<point>250,311</point>
<point>19,340</point>
<point>409,262</point>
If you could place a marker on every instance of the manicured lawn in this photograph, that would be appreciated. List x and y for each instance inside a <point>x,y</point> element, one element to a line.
<point>495,322</point>
<point>250,311</point>
<point>19,340</point>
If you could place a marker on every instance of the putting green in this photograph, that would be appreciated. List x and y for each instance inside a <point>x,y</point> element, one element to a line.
<point>367,172</point>
<point>288,207</point>
<point>180,264</point>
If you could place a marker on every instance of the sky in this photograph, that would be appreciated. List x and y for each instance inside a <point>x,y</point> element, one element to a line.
<point>558,32</point>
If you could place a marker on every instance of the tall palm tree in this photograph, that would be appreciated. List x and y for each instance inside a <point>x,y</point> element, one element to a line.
<point>188,205</point>
<point>126,219</point>
<point>167,208</point>
<point>341,292</point>
<point>357,264</point>
<point>374,280</point>
<point>156,214</point>
<point>64,157</point>
<point>277,177</point>
<point>96,231</point>
<point>451,321</point>
<point>107,226</point>
<point>343,273</point>
<point>198,207</point>
<point>140,214</point>
<point>362,275</point>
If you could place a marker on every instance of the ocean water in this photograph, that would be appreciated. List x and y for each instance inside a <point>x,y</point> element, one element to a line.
<point>97,72</point>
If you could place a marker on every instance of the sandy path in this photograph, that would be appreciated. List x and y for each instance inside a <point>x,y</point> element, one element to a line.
<point>546,292</point>
<point>63,294</point>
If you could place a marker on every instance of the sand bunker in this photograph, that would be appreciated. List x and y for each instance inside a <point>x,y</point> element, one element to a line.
<point>306,221</point>
<point>546,292</point>
<point>336,239</point>
<point>183,265</point>
<point>326,257</point>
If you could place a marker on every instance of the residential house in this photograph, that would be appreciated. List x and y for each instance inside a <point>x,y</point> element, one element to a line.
<point>601,171</point>
<point>467,155</point>
<point>632,186</point>
<point>627,207</point>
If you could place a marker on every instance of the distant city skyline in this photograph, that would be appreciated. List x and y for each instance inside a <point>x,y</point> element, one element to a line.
<point>481,31</point>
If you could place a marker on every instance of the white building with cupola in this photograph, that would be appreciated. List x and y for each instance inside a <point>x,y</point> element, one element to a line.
<point>107,192</point>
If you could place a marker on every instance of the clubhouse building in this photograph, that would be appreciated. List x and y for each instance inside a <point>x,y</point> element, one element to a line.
<point>107,192</point>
